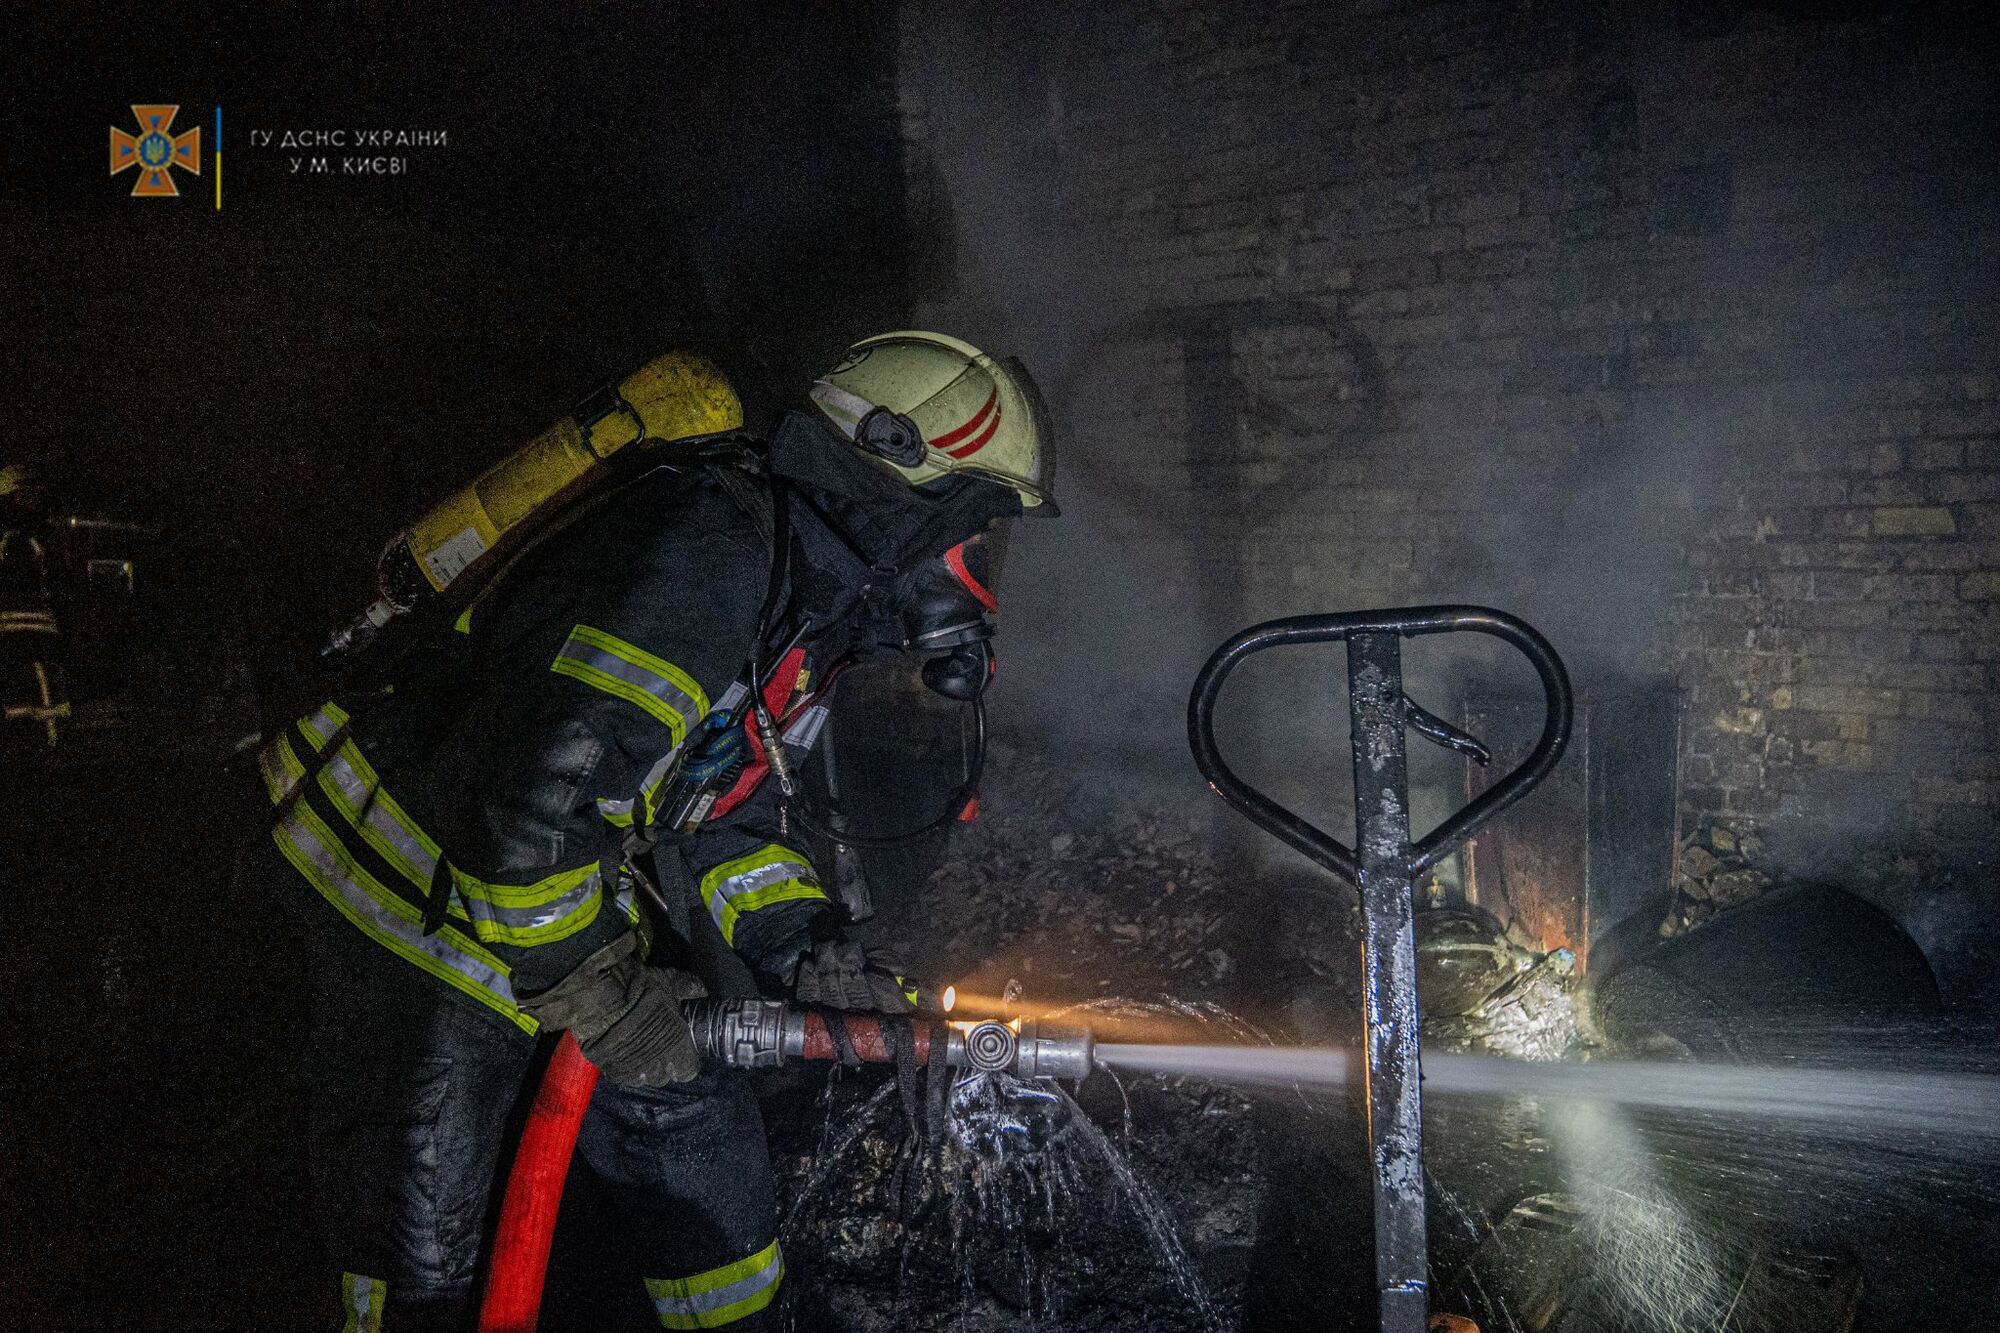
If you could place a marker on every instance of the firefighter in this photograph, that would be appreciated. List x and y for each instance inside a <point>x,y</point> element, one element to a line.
<point>576,808</point>
<point>32,690</point>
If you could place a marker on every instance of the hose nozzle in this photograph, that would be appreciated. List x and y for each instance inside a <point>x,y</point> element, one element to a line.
<point>758,1034</point>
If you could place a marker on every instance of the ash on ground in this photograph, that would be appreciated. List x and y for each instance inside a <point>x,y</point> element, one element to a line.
<point>1091,1207</point>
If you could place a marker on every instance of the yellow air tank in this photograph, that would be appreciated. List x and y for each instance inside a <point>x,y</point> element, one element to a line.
<point>679,396</point>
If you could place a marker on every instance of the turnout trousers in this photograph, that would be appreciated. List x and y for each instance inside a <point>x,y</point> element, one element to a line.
<point>669,1218</point>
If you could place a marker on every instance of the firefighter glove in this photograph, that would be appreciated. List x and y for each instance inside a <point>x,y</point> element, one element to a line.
<point>842,975</point>
<point>625,1015</point>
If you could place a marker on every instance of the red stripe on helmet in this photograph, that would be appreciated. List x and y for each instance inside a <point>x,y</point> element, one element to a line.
<point>951,437</point>
<point>978,441</point>
<point>955,557</point>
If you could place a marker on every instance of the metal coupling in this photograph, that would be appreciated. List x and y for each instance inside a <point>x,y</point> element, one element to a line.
<point>773,742</point>
<point>1053,1051</point>
<point>988,1047</point>
<point>1031,1050</point>
<point>759,1034</point>
<point>747,1034</point>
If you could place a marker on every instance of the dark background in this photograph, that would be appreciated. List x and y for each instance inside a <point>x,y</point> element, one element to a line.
<point>282,385</point>
<point>305,370</point>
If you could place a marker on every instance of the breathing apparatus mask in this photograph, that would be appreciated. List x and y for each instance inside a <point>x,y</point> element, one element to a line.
<point>892,566</point>
<point>908,568</point>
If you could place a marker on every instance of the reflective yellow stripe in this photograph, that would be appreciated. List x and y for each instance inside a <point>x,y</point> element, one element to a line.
<point>498,913</point>
<point>321,724</point>
<point>721,1296</point>
<point>280,765</point>
<point>351,784</point>
<point>385,917</point>
<point>539,894</point>
<point>541,913</point>
<point>626,671</point>
<point>620,812</point>
<point>361,1301</point>
<point>771,874</point>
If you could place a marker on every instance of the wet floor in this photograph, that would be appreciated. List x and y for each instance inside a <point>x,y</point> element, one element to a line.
<point>154,1175</point>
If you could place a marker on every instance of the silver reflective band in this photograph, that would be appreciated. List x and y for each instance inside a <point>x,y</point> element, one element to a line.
<point>620,811</point>
<point>322,723</point>
<point>803,733</point>
<point>721,1296</point>
<point>281,770</point>
<point>529,918</point>
<point>417,862</point>
<point>342,884</point>
<point>361,1301</point>
<point>626,671</point>
<point>750,881</point>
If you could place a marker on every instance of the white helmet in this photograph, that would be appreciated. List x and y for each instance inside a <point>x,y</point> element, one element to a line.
<point>973,415</point>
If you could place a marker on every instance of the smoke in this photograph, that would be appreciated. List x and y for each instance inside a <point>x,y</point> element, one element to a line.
<point>1329,324</point>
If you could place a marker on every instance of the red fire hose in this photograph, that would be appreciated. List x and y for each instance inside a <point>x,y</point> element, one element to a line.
<point>743,1034</point>
<point>520,1262</point>
<point>527,1226</point>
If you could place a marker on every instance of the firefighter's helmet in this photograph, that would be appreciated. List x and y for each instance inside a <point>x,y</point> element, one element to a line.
<point>971,415</point>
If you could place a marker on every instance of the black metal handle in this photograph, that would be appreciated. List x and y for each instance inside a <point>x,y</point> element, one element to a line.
<point>1321,846</point>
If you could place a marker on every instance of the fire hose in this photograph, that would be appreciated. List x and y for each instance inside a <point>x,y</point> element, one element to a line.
<point>738,1034</point>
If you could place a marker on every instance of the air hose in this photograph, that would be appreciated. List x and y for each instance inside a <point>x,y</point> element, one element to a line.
<point>742,1034</point>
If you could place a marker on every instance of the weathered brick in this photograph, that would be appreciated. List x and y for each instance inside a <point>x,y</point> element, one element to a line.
<point>1846,699</point>
<point>1912,522</point>
<point>1983,586</point>
<point>1539,367</point>
<point>1983,419</point>
<point>1938,454</point>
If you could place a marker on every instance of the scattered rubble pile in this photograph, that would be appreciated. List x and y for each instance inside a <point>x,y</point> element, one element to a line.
<point>1716,872</point>
<point>1074,901</point>
<point>1131,1206</point>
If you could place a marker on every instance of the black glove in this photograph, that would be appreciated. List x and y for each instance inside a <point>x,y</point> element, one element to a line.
<point>843,975</point>
<point>625,1015</point>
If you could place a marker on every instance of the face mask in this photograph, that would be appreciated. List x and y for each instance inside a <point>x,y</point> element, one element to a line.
<point>926,596</point>
<point>943,609</point>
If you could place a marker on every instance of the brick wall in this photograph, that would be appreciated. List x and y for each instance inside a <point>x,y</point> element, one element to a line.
<point>1671,327</point>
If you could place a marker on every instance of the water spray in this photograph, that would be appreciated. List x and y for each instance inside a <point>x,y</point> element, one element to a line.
<point>760,1034</point>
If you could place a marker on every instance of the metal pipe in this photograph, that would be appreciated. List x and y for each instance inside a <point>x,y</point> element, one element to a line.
<point>1389,957</point>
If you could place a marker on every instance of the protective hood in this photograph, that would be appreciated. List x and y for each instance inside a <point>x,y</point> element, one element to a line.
<point>902,567</point>
<point>888,523</point>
